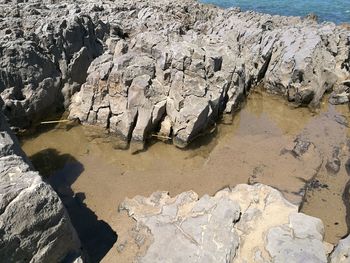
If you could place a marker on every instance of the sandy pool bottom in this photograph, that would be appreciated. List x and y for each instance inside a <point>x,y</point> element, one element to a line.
<point>93,177</point>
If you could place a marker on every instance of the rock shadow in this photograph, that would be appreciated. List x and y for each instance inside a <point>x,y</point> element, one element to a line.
<point>346,201</point>
<point>61,171</point>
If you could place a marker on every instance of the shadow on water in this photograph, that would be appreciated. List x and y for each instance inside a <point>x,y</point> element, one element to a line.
<point>61,171</point>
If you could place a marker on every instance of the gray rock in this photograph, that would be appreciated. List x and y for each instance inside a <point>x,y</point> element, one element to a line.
<point>340,94</point>
<point>204,233</point>
<point>301,147</point>
<point>193,53</point>
<point>341,253</point>
<point>298,241</point>
<point>44,58</point>
<point>333,163</point>
<point>235,225</point>
<point>205,61</point>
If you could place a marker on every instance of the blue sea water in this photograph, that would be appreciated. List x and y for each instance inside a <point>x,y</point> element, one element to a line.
<point>337,11</point>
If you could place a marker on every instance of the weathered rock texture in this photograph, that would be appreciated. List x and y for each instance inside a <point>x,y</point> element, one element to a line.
<point>167,66</point>
<point>45,50</point>
<point>174,66</point>
<point>34,225</point>
<point>249,223</point>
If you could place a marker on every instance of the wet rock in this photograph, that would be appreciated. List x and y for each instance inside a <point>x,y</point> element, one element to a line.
<point>316,184</point>
<point>51,50</point>
<point>301,147</point>
<point>339,98</point>
<point>34,225</point>
<point>333,164</point>
<point>342,120</point>
<point>235,225</point>
<point>340,94</point>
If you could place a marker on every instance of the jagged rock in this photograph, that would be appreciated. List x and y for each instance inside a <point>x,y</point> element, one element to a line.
<point>34,225</point>
<point>202,61</point>
<point>301,147</point>
<point>341,94</point>
<point>235,225</point>
<point>44,57</point>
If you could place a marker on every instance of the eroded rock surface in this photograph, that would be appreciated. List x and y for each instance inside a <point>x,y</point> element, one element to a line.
<point>186,63</point>
<point>341,253</point>
<point>249,223</point>
<point>149,62</point>
<point>45,50</point>
<point>34,225</point>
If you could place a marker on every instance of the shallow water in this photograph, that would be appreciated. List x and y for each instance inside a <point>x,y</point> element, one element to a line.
<point>337,11</point>
<point>93,177</point>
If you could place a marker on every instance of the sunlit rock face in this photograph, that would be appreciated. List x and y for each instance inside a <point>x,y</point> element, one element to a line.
<point>181,64</point>
<point>249,223</point>
<point>151,64</point>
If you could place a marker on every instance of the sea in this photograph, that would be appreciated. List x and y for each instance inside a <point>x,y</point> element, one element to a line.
<point>337,11</point>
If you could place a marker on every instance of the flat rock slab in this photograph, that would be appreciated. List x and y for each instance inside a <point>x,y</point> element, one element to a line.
<point>249,223</point>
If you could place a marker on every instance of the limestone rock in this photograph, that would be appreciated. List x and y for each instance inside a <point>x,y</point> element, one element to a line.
<point>333,163</point>
<point>199,231</point>
<point>44,58</point>
<point>236,225</point>
<point>340,94</point>
<point>341,253</point>
<point>201,61</point>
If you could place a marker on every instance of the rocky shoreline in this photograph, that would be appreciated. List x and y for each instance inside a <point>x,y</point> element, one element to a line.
<point>169,69</point>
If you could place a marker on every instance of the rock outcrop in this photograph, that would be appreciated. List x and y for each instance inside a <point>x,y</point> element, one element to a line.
<point>34,225</point>
<point>160,66</point>
<point>249,223</point>
<point>175,66</point>
<point>45,50</point>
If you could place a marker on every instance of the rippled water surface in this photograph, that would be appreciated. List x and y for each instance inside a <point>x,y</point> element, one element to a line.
<point>337,11</point>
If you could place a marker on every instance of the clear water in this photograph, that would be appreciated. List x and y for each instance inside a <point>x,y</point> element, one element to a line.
<point>337,11</point>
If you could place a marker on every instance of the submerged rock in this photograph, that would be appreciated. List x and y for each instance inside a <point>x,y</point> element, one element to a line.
<point>333,163</point>
<point>34,225</point>
<point>235,225</point>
